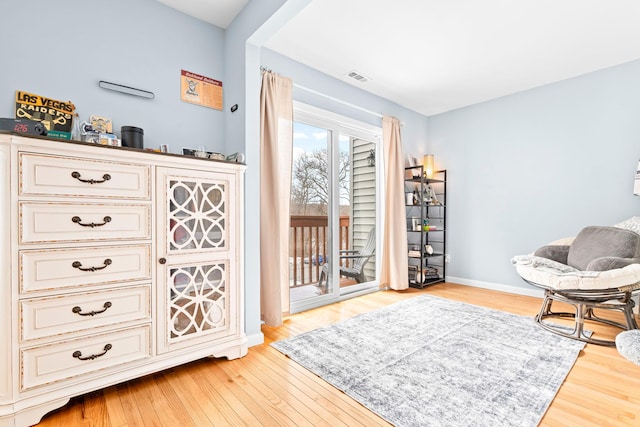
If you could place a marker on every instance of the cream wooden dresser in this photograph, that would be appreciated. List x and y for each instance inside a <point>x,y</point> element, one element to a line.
<point>115,263</point>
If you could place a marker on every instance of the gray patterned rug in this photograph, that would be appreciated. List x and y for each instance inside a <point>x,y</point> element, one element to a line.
<point>429,361</point>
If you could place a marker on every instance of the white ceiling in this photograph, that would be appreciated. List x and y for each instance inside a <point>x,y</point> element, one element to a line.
<point>217,12</point>
<point>437,55</point>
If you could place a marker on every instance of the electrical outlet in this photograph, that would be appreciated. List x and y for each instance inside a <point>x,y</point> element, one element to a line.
<point>447,258</point>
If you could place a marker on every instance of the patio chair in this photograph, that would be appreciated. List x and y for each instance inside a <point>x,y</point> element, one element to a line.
<point>360,258</point>
<point>598,269</point>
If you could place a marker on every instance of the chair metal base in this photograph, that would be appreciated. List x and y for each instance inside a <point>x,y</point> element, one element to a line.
<point>584,303</point>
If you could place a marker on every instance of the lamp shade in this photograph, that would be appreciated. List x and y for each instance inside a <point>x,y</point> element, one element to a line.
<point>427,165</point>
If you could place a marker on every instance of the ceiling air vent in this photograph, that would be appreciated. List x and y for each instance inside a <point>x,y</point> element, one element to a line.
<point>357,76</point>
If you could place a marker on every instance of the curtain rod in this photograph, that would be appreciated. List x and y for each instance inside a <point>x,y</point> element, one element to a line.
<point>331,98</point>
<point>339,101</point>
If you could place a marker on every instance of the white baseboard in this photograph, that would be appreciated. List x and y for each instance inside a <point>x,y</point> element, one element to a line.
<point>533,292</point>
<point>255,339</point>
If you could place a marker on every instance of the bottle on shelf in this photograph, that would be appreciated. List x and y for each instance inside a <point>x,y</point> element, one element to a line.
<point>76,133</point>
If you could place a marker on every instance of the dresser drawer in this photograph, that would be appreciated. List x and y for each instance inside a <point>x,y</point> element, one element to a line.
<point>49,363</point>
<point>63,268</point>
<point>74,222</point>
<point>76,177</point>
<point>43,317</point>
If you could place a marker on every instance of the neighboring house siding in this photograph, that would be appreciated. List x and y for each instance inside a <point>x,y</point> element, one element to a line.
<point>363,199</point>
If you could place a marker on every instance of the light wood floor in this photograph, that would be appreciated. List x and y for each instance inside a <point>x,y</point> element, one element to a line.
<point>266,388</point>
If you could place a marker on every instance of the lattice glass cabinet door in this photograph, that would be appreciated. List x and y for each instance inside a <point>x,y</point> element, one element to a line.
<point>196,261</point>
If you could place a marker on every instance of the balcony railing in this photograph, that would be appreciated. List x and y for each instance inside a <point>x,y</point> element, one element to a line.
<point>308,247</point>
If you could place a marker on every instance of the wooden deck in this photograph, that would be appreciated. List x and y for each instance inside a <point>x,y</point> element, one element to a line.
<point>267,389</point>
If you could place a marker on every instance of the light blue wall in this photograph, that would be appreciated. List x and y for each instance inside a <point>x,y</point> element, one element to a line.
<point>242,47</point>
<point>523,169</point>
<point>62,49</point>
<point>535,166</point>
<point>244,55</point>
<point>414,128</point>
<point>240,77</point>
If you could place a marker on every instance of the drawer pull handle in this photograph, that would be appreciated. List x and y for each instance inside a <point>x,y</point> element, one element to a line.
<point>77,354</point>
<point>105,177</point>
<point>78,265</point>
<point>77,220</point>
<point>78,310</point>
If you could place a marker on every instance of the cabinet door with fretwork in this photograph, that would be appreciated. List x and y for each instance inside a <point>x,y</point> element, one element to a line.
<point>197,267</point>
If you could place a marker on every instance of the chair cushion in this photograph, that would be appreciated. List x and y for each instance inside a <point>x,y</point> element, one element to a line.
<point>628,276</point>
<point>597,241</point>
<point>558,253</point>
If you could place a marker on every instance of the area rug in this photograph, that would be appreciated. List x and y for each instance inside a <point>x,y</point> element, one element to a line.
<point>428,361</point>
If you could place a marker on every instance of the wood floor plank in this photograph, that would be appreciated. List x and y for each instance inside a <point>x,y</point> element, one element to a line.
<point>268,389</point>
<point>179,405</point>
<point>133,413</point>
<point>234,412</point>
<point>278,405</point>
<point>94,410</point>
<point>154,406</point>
<point>333,405</point>
<point>601,403</point>
<point>69,415</point>
<point>246,395</point>
<point>298,404</point>
<point>199,404</point>
<point>119,414</point>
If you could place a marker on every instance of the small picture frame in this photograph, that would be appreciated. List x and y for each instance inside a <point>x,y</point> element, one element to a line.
<point>108,139</point>
<point>410,162</point>
<point>93,137</point>
<point>101,124</point>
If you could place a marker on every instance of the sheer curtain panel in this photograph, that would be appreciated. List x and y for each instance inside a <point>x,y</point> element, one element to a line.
<point>276,141</point>
<point>394,269</point>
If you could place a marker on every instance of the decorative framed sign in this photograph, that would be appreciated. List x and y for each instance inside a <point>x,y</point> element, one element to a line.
<point>200,90</point>
<point>53,114</point>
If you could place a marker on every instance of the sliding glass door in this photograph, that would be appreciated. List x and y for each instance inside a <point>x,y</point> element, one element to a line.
<point>334,201</point>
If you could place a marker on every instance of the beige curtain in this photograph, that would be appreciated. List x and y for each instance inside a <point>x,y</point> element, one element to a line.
<point>394,269</point>
<point>276,142</point>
